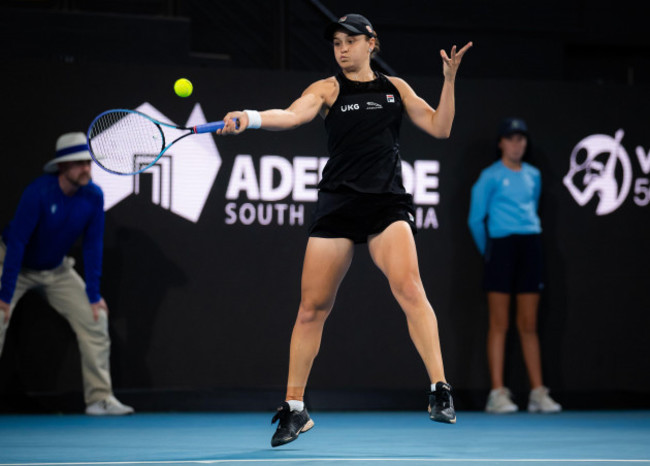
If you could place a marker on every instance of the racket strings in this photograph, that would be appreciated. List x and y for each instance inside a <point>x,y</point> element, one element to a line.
<point>125,142</point>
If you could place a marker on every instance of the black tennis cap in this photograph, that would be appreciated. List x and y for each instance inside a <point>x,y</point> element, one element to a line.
<point>354,24</point>
<point>510,126</point>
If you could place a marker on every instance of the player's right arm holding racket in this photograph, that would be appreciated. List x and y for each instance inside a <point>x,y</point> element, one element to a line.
<point>317,98</point>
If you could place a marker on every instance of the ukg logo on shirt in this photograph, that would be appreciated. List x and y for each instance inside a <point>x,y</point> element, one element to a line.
<point>599,166</point>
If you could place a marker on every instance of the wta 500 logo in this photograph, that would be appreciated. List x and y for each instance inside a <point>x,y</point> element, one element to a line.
<point>600,166</point>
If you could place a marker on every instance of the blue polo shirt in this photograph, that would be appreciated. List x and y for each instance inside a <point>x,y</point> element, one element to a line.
<point>507,200</point>
<point>46,225</point>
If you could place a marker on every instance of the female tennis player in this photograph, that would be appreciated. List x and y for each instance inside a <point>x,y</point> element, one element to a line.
<point>361,199</point>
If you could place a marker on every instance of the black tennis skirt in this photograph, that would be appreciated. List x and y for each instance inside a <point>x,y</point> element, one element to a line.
<point>354,215</point>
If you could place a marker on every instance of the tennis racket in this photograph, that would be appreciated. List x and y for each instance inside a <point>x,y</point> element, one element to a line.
<point>127,142</point>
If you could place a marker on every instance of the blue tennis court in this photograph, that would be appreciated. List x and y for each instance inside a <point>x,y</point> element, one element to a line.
<point>374,438</point>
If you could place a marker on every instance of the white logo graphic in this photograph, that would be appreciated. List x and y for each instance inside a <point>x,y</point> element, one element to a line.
<point>53,209</point>
<point>183,177</point>
<point>271,189</point>
<point>594,164</point>
<point>373,106</point>
<point>345,108</point>
<point>644,159</point>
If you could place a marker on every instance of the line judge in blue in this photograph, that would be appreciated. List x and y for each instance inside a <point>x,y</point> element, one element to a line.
<point>54,211</point>
<point>506,228</point>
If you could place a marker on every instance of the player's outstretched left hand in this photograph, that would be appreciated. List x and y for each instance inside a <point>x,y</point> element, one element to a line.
<point>450,64</point>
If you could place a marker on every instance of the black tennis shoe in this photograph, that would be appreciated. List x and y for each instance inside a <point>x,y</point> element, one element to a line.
<point>292,424</point>
<point>441,404</point>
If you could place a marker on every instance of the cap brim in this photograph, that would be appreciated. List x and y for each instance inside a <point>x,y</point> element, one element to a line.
<point>510,133</point>
<point>52,165</point>
<point>333,27</point>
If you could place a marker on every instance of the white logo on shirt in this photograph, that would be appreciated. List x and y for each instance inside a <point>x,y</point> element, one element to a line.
<point>373,106</point>
<point>348,107</point>
<point>53,208</point>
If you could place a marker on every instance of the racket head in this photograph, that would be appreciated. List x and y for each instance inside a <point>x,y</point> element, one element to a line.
<point>125,142</point>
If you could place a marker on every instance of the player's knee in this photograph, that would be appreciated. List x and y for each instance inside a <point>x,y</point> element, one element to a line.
<point>313,311</point>
<point>408,290</point>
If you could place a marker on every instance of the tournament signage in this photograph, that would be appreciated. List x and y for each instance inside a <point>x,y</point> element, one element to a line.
<point>207,245</point>
<point>181,179</point>
<point>266,190</point>
<point>600,167</point>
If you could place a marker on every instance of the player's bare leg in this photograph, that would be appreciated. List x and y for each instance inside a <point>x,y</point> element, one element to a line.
<point>393,251</point>
<point>326,262</point>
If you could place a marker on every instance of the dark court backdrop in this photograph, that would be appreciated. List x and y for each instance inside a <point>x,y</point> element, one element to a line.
<point>202,259</point>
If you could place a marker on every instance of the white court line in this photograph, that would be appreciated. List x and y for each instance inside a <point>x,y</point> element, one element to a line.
<point>295,460</point>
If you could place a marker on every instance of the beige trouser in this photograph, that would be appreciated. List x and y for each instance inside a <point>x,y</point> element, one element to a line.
<point>64,290</point>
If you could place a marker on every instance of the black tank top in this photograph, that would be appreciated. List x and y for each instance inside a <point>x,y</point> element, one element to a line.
<point>363,138</point>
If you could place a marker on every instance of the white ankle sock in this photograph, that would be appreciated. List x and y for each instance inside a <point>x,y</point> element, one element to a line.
<point>433,385</point>
<point>296,405</point>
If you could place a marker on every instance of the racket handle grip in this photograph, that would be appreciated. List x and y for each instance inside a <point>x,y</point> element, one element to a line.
<point>211,127</point>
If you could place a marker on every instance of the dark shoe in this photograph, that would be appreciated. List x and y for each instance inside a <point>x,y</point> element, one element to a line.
<point>441,404</point>
<point>292,424</point>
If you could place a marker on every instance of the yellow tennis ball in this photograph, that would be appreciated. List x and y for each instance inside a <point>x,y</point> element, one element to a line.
<point>183,87</point>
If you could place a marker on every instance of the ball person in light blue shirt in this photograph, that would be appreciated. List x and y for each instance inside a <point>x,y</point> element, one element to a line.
<point>506,229</point>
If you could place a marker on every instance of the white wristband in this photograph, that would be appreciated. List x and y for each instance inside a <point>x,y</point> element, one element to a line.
<point>254,119</point>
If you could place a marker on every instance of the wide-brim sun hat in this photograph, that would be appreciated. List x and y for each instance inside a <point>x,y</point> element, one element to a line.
<point>353,23</point>
<point>70,147</point>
